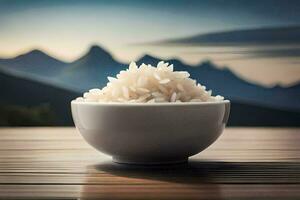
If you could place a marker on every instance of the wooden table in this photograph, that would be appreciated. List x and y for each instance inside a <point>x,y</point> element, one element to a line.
<point>245,163</point>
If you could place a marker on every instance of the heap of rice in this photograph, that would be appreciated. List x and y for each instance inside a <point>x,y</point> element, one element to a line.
<point>149,84</point>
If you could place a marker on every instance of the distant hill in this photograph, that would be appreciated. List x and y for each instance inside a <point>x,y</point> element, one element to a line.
<point>34,62</point>
<point>91,69</point>
<point>21,94</point>
<point>257,36</point>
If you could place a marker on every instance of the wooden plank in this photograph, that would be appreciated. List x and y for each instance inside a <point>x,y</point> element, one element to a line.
<point>179,191</point>
<point>245,163</point>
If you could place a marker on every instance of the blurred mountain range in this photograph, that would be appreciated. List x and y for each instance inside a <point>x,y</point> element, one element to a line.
<point>55,82</point>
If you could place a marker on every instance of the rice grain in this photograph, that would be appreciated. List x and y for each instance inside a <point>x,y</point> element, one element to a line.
<point>149,84</point>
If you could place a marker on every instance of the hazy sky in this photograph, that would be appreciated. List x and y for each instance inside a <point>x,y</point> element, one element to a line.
<point>65,29</point>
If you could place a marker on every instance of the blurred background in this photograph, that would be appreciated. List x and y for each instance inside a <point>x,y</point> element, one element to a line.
<point>52,51</point>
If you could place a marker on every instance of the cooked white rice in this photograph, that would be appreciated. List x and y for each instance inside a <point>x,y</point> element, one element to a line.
<point>149,84</point>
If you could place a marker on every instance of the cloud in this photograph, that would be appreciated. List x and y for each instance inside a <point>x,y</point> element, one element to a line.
<point>248,37</point>
<point>272,53</point>
<point>259,53</point>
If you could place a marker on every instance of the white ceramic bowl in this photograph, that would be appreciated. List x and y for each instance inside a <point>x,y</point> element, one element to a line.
<point>155,133</point>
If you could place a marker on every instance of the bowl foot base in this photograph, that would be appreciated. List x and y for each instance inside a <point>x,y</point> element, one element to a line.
<point>127,161</point>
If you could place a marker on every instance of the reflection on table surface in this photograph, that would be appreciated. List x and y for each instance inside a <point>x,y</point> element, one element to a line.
<point>245,163</point>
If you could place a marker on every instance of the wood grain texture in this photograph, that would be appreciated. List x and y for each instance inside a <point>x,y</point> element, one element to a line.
<point>56,163</point>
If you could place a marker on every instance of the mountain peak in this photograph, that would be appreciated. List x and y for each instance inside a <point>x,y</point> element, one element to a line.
<point>147,56</point>
<point>278,86</point>
<point>96,50</point>
<point>35,62</point>
<point>97,56</point>
<point>148,59</point>
<point>36,53</point>
<point>36,57</point>
<point>206,64</point>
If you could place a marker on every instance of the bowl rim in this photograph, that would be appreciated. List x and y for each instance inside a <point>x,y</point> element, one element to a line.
<point>74,102</point>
